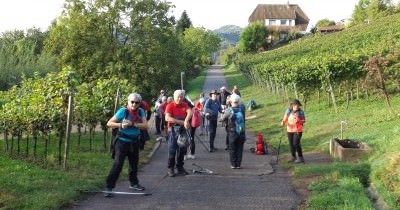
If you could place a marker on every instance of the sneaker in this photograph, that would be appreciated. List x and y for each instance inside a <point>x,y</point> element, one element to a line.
<point>300,160</point>
<point>233,167</point>
<point>182,172</point>
<point>291,160</point>
<point>108,193</point>
<point>212,150</point>
<point>238,167</point>
<point>171,172</point>
<point>190,157</point>
<point>137,187</point>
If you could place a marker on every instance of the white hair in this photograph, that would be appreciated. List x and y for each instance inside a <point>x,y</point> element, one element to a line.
<point>134,96</point>
<point>235,98</point>
<point>178,93</point>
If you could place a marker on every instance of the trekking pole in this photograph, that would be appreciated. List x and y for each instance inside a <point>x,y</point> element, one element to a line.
<point>279,145</point>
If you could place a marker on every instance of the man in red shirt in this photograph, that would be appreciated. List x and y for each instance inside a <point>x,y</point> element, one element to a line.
<point>178,115</point>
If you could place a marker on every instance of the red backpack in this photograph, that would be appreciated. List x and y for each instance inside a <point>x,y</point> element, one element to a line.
<point>196,118</point>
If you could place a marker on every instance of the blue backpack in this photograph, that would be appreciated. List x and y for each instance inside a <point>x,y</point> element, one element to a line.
<point>236,120</point>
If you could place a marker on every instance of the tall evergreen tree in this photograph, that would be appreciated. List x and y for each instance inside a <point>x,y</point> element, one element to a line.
<point>183,23</point>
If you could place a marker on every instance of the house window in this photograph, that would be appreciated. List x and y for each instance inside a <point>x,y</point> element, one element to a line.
<point>272,22</point>
<point>283,22</point>
<point>291,22</point>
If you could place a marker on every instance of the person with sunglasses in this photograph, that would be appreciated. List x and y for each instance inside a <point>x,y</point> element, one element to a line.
<point>129,120</point>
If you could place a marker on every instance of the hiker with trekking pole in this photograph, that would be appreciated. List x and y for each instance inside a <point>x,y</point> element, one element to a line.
<point>294,119</point>
<point>129,121</point>
<point>178,115</point>
<point>211,110</point>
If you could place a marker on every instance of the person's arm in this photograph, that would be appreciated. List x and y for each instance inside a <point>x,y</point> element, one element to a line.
<point>189,114</point>
<point>285,118</point>
<point>113,123</point>
<point>143,125</point>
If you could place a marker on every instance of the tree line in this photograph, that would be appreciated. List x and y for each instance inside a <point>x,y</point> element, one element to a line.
<point>93,49</point>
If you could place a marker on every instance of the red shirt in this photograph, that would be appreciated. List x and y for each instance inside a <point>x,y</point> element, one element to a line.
<point>177,111</point>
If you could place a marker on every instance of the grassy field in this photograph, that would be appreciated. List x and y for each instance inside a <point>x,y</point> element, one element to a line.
<point>34,184</point>
<point>341,185</point>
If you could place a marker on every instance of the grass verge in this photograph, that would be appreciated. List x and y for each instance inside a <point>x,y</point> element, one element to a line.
<point>367,121</point>
<point>36,184</point>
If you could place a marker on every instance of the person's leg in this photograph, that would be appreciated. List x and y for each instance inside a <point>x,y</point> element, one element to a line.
<point>120,153</point>
<point>232,151</point>
<point>297,145</point>
<point>291,146</point>
<point>172,147</point>
<point>239,150</point>
<point>227,138</point>
<point>133,158</point>
<point>212,130</point>
<point>157,120</point>
<point>192,143</point>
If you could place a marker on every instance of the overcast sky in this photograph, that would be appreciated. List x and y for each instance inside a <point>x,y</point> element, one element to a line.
<point>211,14</point>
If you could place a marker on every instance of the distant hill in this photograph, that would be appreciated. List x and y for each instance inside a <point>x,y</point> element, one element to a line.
<point>230,34</point>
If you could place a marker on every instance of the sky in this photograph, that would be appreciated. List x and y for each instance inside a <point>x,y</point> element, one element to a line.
<point>210,14</point>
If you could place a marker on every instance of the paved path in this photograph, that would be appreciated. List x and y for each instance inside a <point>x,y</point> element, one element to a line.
<point>256,186</point>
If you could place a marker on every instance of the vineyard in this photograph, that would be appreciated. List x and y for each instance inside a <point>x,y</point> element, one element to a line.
<point>39,107</point>
<point>359,61</point>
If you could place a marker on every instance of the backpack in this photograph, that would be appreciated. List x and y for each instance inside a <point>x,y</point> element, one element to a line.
<point>196,118</point>
<point>236,121</point>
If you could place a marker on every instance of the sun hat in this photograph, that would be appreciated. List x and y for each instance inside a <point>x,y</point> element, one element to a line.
<point>214,92</point>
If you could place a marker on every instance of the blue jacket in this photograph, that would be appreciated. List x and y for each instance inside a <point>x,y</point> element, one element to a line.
<point>212,107</point>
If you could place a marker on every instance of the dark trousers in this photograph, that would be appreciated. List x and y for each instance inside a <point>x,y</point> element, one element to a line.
<point>192,144</point>
<point>236,143</point>
<point>227,136</point>
<point>123,149</point>
<point>294,144</point>
<point>176,154</point>
<point>212,128</point>
<point>157,120</point>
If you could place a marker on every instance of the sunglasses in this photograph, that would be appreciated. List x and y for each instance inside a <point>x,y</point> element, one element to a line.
<point>135,102</point>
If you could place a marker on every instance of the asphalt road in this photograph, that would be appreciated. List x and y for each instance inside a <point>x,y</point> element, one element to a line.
<point>257,185</point>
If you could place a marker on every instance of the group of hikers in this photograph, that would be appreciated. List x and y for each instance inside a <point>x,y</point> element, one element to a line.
<point>177,118</point>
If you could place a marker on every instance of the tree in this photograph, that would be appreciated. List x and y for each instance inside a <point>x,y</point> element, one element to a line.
<point>128,39</point>
<point>199,43</point>
<point>22,53</point>
<point>370,10</point>
<point>253,38</point>
<point>325,22</point>
<point>183,23</point>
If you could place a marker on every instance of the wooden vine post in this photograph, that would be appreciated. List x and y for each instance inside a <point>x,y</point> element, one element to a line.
<point>68,130</point>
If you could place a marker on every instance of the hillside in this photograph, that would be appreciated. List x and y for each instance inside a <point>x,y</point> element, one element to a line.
<point>230,35</point>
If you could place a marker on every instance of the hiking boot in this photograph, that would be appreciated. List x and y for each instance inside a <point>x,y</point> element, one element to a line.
<point>108,192</point>
<point>171,172</point>
<point>182,172</point>
<point>137,187</point>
